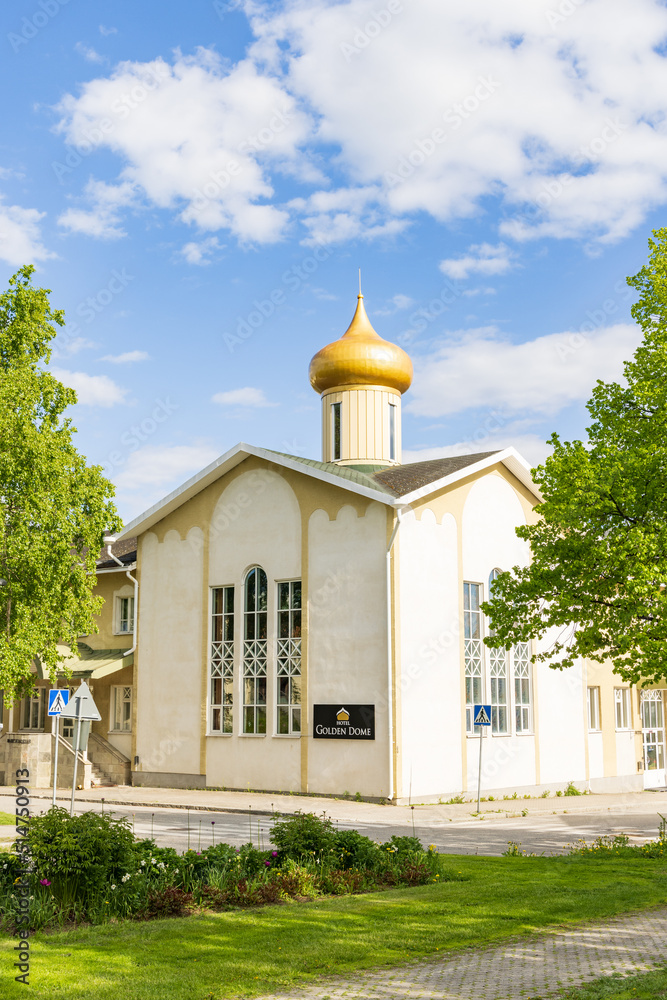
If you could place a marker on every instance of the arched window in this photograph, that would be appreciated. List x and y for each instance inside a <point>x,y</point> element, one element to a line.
<point>255,651</point>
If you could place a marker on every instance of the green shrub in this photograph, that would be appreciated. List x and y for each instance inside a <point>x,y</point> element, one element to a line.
<point>353,850</point>
<point>78,857</point>
<point>303,835</point>
<point>572,790</point>
<point>403,845</point>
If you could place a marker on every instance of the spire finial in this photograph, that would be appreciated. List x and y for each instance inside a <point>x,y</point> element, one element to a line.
<point>360,283</point>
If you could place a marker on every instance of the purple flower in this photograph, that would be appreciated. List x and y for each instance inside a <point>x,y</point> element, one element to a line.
<point>274,854</point>
<point>268,864</point>
<point>44,881</point>
<point>198,854</point>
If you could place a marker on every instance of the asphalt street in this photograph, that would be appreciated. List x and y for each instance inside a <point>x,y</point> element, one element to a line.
<point>550,834</point>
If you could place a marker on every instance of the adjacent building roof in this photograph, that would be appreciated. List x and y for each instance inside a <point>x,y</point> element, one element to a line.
<point>125,550</point>
<point>397,486</point>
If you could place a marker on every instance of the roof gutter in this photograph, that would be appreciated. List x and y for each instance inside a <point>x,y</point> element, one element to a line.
<point>110,539</point>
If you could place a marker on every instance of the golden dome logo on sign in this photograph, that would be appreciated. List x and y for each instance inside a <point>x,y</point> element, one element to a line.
<point>343,715</point>
<point>334,722</point>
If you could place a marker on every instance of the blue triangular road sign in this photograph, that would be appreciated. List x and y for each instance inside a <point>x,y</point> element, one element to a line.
<point>482,715</point>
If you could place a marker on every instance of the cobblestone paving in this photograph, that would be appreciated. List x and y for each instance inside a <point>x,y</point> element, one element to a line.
<point>535,967</point>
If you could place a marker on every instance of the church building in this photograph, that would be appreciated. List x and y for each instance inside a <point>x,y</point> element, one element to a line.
<point>315,626</point>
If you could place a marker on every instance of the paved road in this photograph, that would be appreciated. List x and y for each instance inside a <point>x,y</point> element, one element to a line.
<point>537,834</point>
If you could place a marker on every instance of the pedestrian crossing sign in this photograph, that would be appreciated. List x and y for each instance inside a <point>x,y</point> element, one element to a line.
<point>482,715</point>
<point>58,699</point>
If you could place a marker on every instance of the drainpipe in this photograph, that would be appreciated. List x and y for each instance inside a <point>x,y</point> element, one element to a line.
<point>390,662</point>
<point>110,540</point>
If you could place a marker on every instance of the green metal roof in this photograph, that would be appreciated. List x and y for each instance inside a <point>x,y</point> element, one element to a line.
<point>348,472</point>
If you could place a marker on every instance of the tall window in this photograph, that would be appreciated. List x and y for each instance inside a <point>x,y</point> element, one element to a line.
<point>522,687</point>
<point>34,710</point>
<point>126,614</point>
<point>622,708</point>
<point>472,638</point>
<point>222,660</point>
<point>289,658</point>
<point>335,431</point>
<point>499,690</point>
<point>392,432</point>
<point>593,694</point>
<point>255,652</point>
<point>121,709</point>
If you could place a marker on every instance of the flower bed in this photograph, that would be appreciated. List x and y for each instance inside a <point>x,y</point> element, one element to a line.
<point>90,868</point>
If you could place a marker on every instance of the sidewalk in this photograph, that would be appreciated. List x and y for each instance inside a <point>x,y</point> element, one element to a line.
<point>348,810</point>
<point>535,967</point>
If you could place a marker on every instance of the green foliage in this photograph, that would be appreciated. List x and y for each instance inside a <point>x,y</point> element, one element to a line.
<point>303,835</point>
<point>80,856</point>
<point>599,550</point>
<point>572,790</point>
<point>620,986</point>
<point>353,850</point>
<point>54,509</point>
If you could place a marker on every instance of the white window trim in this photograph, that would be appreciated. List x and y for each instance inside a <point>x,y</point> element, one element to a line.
<point>112,705</point>
<point>229,655</point>
<point>593,708</point>
<point>625,700</point>
<point>296,642</point>
<point>118,598</point>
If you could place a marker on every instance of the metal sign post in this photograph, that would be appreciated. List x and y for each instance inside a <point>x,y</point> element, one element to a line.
<point>58,699</point>
<point>86,711</point>
<point>481,717</point>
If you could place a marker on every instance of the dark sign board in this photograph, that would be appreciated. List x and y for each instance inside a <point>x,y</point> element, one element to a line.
<point>343,721</point>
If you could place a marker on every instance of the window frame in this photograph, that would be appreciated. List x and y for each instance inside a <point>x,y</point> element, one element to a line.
<point>336,431</point>
<point>594,712</point>
<point>129,618</point>
<point>38,701</point>
<point>289,658</point>
<point>255,654</point>
<point>623,701</point>
<point>392,432</point>
<point>474,659</point>
<point>221,661</point>
<point>115,702</point>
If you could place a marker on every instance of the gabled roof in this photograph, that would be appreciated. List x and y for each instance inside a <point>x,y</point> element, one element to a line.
<point>397,486</point>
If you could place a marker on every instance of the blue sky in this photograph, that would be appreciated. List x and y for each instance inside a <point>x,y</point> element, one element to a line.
<point>198,185</point>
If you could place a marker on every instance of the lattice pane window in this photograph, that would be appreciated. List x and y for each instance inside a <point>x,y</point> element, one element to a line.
<point>499,690</point>
<point>222,660</point>
<point>34,708</point>
<point>121,709</point>
<point>288,683</point>
<point>472,650</point>
<point>255,652</point>
<point>523,692</point>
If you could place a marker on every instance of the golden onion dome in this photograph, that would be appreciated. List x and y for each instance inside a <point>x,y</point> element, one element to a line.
<point>361,357</point>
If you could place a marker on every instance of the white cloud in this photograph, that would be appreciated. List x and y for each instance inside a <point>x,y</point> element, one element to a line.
<point>200,253</point>
<point>481,258</point>
<point>91,390</point>
<point>88,53</point>
<point>127,358</point>
<point>564,123</point>
<point>108,31</point>
<point>196,137</point>
<point>396,303</point>
<point>477,368</point>
<point>102,221</point>
<point>20,235</point>
<point>163,465</point>
<point>248,396</point>
<point>65,345</point>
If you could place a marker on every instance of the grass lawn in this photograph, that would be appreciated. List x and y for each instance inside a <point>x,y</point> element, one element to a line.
<point>647,986</point>
<point>7,818</point>
<point>257,951</point>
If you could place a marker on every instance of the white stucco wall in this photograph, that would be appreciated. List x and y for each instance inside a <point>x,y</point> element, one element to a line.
<point>626,756</point>
<point>595,756</point>
<point>562,724</point>
<point>347,644</point>
<point>256,522</point>
<point>429,674</point>
<point>169,653</point>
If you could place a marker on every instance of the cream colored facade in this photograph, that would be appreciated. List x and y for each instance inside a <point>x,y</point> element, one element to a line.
<point>272,588</point>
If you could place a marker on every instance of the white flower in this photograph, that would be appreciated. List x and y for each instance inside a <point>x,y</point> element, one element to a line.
<point>142,863</point>
<point>126,877</point>
<point>113,886</point>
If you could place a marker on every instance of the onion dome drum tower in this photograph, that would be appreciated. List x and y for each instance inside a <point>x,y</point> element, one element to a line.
<point>361,379</point>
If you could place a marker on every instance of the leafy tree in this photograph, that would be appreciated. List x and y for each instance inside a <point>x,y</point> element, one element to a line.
<point>597,582</point>
<point>54,509</point>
